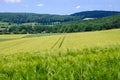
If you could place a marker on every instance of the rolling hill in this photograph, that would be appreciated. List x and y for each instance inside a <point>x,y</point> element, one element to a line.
<point>33,17</point>
<point>95,14</point>
<point>22,43</point>
<point>49,19</point>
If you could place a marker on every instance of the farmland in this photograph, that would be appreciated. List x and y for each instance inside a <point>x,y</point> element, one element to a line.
<point>70,56</point>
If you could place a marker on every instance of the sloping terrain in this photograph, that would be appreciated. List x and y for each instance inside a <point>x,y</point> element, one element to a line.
<point>20,43</point>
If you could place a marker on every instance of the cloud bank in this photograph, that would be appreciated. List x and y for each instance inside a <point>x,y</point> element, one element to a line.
<point>12,1</point>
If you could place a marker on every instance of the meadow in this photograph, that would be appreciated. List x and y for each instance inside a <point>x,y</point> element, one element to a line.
<point>74,56</point>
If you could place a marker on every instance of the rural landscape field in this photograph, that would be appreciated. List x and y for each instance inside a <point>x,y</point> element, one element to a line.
<point>71,56</point>
<point>59,39</point>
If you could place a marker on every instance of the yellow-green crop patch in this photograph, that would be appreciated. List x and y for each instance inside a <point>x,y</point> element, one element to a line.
<point>59,42</point>
<point>3,23</point>
<point>10,37</point>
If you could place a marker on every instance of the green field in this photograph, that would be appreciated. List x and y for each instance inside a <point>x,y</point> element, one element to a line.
<point>73,56</point>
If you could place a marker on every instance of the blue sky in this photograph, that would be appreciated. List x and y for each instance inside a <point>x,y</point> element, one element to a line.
<point>62,7</point>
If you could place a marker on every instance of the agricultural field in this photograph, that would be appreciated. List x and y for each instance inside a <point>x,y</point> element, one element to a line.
<point>73,56</point>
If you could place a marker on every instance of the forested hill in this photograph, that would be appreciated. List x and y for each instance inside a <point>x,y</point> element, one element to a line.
<point>95,14</point>
<point>110,22</point>
<point>50,19</point>
<point>32,17</point>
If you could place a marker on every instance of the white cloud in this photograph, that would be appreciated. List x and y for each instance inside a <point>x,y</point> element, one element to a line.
<point>40,5</point>
<point>12,1</point>
<point>77,7</point>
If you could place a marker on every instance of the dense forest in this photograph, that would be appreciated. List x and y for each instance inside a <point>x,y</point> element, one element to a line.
<point>45,19</point>
<point>95,14</point>
<point>57,23</point>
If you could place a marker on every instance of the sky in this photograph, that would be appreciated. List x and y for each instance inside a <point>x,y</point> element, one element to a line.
<point>61,7</point>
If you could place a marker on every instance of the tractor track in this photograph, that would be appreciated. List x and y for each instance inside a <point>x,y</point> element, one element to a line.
<point>59,42</point>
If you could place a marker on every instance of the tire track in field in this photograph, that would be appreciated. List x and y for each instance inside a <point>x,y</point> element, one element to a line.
<point>62,42</point>
<point>56,43</point>
<point>59,42</point>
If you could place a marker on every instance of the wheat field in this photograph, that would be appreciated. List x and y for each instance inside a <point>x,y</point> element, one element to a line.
<point>73,56</point>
